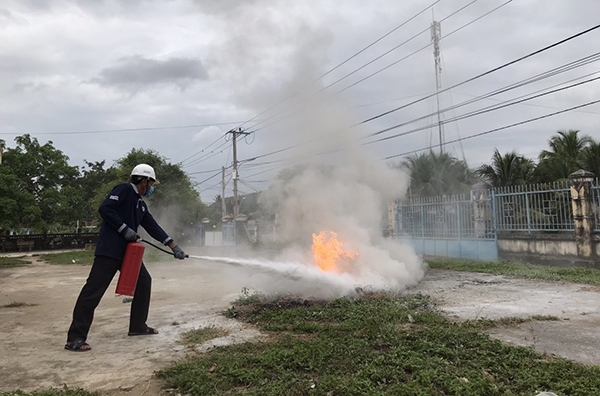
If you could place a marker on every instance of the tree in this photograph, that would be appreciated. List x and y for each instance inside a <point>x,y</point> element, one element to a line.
<point>564,157</point>
<point>590,158</point>
<point>176,204</point>
<point>42,189</point>
<point>507,170</point>
<point>93,180</point>
<point>438,174</point>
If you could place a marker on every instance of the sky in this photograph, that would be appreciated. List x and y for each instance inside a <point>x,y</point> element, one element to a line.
<point>98,78</point>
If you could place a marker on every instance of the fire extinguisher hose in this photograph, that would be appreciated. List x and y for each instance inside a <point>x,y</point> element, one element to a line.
<point>161,249</point>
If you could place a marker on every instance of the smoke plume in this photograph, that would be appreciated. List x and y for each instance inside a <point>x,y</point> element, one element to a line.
<point>329,182</point>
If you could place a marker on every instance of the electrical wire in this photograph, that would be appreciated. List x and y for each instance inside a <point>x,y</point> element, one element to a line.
<point>204,157</point>
<point>487,110</point>
<point>342,63</point>
<point>385,68</point>
<point>538,77</point>
<point>201,151</point>
<point>487,72</point>
<point>501,128</point>
<point>125,129</point>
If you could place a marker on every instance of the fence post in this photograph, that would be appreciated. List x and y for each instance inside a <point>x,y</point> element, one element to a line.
<point>583,212</point>
<point>528,213</point>
<point>397,218</point>
<point>458,219</point>
<point>422,221</point>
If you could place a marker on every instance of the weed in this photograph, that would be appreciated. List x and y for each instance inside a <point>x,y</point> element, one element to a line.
<point>590,276</point>
<point>373,345</point>
<point>246,298</point>
<point>201,335</point>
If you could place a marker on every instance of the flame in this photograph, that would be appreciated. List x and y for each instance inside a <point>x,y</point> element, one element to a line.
<point>328,250</point>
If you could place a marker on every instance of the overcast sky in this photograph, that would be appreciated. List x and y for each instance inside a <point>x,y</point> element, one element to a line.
<point>87,66</point>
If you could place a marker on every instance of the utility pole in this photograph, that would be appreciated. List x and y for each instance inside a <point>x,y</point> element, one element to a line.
<point>236,204</point>
<point>436,33</point>
<point>223,206</point>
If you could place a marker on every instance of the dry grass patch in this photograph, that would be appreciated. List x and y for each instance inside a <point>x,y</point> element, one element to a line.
<point>203,334</point>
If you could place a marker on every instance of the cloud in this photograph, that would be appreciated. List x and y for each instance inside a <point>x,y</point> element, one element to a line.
<point>212,7</point>
<point>137,72</point>
<point>206,132</point>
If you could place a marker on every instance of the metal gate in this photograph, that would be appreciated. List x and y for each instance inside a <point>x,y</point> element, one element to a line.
<point>462,226</point>
<point>229,234</point>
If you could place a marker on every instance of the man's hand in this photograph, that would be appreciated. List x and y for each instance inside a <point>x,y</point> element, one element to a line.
<point>130,235</point>
<point>178,253</point>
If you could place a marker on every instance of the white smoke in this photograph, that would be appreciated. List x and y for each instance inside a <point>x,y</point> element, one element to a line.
<point>349,199</point>
<point>331,182</point>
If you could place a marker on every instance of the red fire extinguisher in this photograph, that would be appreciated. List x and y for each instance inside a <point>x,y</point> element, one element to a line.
<point>130,269</point>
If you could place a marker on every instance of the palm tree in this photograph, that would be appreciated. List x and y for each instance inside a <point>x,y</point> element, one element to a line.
<point>438,174</point>
<point>507,170</point>
<point>590,158</point>
<point>564,157</point>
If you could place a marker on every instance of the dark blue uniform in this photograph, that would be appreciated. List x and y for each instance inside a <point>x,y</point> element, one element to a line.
<point>123,207</point>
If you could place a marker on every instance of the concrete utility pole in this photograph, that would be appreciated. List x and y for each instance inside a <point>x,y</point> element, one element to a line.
<point>436,34</point>
<point>223,206</point>
<point>236,204</point>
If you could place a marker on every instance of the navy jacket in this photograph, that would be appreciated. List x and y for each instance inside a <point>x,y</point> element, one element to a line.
<point>123,207</point>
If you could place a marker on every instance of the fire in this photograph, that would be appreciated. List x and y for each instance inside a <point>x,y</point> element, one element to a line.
<point>328,250</point>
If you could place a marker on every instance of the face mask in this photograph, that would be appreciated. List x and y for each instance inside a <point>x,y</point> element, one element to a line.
<point>149,192</point>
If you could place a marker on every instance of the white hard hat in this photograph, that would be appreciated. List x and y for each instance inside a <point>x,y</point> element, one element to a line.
<point>144,170</point>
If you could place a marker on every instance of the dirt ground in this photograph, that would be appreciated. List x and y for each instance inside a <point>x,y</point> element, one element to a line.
<point>193,293</point>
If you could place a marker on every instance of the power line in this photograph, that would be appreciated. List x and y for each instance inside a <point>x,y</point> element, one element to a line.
<point>486,73</point>
<point>207,171</point>
<point>246,184</point>
<point>454,86</point>
<point>488,109</point>
<point>201,151</point>
<point>211,177</point>
<point>399,45</point>
<point>541,76</point>
<point>206,156</point>
<point>528,104</point>
<point>422,48</point>
<point>340,64</point>
<point>124,130</point>
<point>387,67</point>
<point>551,72</point>
<point>501,128</point>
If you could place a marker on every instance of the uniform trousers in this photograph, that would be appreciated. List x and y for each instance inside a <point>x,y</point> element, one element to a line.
<point>101,275</point>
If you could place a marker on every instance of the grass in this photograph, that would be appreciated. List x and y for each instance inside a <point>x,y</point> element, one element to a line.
<point>16,304</point>
<point>201,335</point>
<point>512,321</point>
<point>9,262</point>
<point>51,392</point>
<point>590,276</point>
<point>72,257</point>
<point>375,345</point>
<point>85,257</point>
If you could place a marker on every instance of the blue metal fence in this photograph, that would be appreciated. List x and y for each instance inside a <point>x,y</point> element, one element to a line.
<point>468,225</point>
<point>537,207</point>
<point>453,226</point>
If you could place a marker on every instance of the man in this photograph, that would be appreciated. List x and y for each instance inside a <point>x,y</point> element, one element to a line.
<point>122,212</point>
